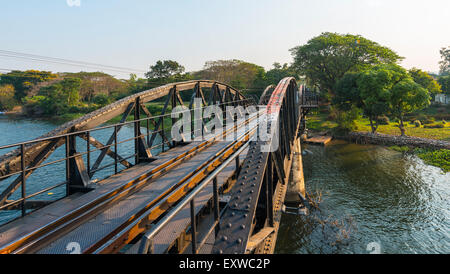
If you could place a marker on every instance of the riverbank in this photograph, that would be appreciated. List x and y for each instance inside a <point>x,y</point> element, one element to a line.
<point>154,107</point>
<point>432,152</point>
<point>321,122</point>
<point>394,140</point>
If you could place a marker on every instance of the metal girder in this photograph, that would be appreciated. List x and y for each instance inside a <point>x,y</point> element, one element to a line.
<point>161,119</point>
<point>236,224</point>
<point>142,150</point>
<point>251,206</point>
<point>10,162</point>
<point>79,178</point>
<point>41,157</point>
<point>109,152</point>
<point>265,96</point>
<point>111,139</point>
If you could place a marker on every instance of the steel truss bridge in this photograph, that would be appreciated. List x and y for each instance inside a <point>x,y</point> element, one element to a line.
<point>92,186</point>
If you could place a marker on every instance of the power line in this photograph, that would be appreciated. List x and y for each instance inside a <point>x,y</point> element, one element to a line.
<point>64,63</point>
<point>40,58</point>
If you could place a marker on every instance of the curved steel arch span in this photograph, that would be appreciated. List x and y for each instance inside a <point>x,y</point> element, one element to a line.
<point>253,189</point>
<point>254,211</point>
<point>38,150</point>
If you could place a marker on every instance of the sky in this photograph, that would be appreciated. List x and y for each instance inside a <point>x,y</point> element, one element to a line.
<point>136,33</point>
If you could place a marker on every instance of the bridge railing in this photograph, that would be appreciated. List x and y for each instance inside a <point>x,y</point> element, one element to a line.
<point>309,98</point>
<point>146,245</point>
<point>78,176</point>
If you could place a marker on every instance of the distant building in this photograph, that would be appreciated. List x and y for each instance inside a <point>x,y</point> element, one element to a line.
<point>442,98</point>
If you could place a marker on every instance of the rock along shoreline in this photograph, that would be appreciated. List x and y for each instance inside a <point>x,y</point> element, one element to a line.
<point>385,139</point>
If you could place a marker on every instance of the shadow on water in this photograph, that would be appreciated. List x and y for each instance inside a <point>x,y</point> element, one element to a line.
<point>375,194</point>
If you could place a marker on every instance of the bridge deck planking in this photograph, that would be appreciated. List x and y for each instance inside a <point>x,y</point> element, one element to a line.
<point>96,228</point>
<point>167,236</point>
<point>41,217</point>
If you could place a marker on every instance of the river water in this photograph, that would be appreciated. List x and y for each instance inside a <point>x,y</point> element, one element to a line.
<point>365,196</point>
<point>369,199</point>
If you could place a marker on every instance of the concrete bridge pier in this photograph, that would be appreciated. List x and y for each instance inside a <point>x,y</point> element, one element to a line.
<point>296,183</point>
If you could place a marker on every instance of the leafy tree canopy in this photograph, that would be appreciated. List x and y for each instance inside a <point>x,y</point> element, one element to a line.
<point>239,74</point>
<point>165,69</point>
<point>445,62</point>
<point>7,101</point>
<point>383,89</point>
<point>23,81</point>
<point>425,80</point>
<point>326,58</point>
<point>279,72</point>
<point>96,83</point>
<point>444,81</point>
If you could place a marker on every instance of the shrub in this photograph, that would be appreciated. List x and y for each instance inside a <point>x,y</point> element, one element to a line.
<point>429,120</point>
<point>400,148</point>
<point>347,120</point>
<point>439,125</point>
<point>101,99</point>
<point>7,100</point>
<point>439,158</point>
<point>417,123</point>
<point>422,118</point>
<point>333,115</point>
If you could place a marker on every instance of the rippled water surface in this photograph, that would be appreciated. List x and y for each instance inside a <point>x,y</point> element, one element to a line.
<point>369,195</point>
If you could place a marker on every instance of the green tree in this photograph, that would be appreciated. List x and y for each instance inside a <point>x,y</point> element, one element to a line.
<point>136,85</point>
<point>425,80</point>
<point>95,83</point>
<point>102,100</point>
<point>381,90</point>
<point>7,101</point>
<point>347,92</point>
<point>325,59</point>
<point>367,90</point>
<point>165,69</point>
<point>51,99</point>
<point>23,81</point>
<point>444,81</point>
<point>71,89</point>
<point>407,96</point>
<point>164,72</point>
<point>444,64</point>
<point>242,75</point>
<point>279,72</point>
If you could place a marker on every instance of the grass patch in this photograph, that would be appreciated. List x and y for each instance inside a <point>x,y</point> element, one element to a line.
<point>320,122</point>
<point>439,158</point>
<point>411,130</point>
<point>400,148</point>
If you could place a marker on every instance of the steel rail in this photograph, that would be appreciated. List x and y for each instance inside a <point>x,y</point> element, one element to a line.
<point>135,225</point>
<point>241,212</point>
<point>63,223</point>
<point>98,148</point>
<point>148,237</point>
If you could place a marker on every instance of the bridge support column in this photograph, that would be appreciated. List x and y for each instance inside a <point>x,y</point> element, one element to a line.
<point>296,184</point>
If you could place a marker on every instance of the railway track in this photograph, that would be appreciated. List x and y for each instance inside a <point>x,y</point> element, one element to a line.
<point>138,222</point>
